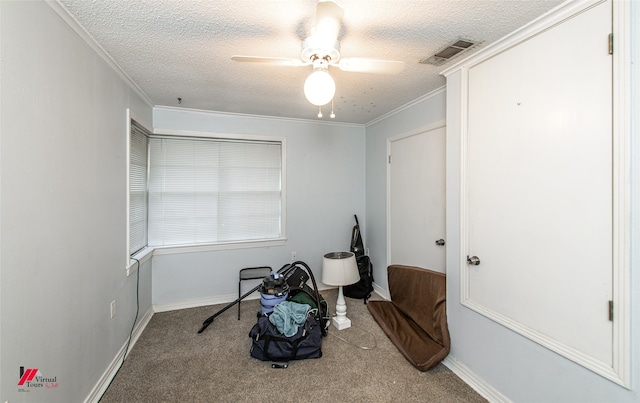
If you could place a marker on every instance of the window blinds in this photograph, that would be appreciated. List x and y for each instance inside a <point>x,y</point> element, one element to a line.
<point>213,191</point>
<point>137,189</point>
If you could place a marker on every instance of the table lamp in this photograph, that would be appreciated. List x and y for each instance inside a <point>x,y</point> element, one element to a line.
<point>339,269</point>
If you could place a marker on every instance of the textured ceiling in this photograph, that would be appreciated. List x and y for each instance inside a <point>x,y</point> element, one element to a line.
<point>183,49</point>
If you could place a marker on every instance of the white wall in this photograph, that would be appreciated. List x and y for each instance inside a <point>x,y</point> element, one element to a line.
<point>62,207</point>
<point>424,112</point>
<point>325,188</point>
<point>519,369</point>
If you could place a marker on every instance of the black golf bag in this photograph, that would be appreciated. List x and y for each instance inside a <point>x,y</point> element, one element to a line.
<point>363,288</point>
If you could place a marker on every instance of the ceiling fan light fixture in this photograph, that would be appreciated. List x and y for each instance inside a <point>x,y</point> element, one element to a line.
<point>319,88</point>
<point>321,49</point>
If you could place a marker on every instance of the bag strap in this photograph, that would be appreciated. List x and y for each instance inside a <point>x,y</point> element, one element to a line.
<point>357,244</point>
<point>324,322</point>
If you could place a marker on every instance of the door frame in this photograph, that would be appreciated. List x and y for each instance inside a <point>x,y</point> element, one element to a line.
<point>620,371</point>
<point>433,126</point>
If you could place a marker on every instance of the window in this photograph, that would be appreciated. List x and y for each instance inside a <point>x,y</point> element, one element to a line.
<point>211,191</point>
<point>138,145</point>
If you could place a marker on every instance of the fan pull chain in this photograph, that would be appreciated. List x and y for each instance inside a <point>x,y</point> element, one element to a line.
<point>333,115</point>
<point>319,111</point>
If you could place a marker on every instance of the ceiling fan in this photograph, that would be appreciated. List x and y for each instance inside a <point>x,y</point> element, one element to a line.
<point>321,50</point>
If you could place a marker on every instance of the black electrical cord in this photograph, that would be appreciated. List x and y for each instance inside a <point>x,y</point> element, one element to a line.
<point>124,356</point>
<point>133,326</point>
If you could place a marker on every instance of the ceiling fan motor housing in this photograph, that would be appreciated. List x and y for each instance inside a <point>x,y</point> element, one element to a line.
<point>313,50</point>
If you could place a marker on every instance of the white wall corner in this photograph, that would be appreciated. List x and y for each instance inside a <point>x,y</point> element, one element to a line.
<point>112,370</point>
<point>477,383</point>
<point>381,291</point>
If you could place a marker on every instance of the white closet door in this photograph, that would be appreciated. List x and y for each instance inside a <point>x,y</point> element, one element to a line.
<point>539,185</point>
<point>417,200</point>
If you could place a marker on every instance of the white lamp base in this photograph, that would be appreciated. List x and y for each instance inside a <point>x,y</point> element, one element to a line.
<point>340,321</point>
<point>341,324</point>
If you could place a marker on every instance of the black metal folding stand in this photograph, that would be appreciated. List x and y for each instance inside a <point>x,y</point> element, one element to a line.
<point>251,273</point>
<point>210,319</point>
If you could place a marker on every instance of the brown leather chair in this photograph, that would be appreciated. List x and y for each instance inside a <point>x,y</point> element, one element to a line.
<point>416,317</point>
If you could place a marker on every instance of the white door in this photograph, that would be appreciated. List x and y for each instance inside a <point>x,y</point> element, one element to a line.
<point>539,185</point>
<point>417,199</point>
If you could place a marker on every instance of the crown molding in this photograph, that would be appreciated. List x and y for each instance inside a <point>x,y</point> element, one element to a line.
<point>266,117</point>
<point>407,105</point>
<point>70,20</point>
<point>551,18</point>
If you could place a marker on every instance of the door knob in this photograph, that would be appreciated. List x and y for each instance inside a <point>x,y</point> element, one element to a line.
<point>440,242</point>
<point>474,260</point>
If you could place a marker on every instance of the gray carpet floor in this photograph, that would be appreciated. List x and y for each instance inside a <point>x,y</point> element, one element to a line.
<point>171,362</point>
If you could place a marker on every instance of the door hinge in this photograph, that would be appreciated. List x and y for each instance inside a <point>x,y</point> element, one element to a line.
<point>610,44</point>
<point>389,159</point>
<point>611,311</point>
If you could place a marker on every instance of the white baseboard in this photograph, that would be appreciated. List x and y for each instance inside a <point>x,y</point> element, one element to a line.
<point>381,292</point>
<point>106,378</point>
<point>195,303</point>
<point>220,299</point>
<point>478,384</point>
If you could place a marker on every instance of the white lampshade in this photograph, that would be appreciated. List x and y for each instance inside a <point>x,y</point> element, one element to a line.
<point>340,268</point>
<point>319,88</point>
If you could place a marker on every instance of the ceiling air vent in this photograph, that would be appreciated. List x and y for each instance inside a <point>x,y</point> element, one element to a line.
<point>448,52</point>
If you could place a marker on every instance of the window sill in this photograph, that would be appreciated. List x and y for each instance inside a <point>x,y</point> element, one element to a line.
<point>150,251</point>
<point>168,250</point>
<point>138,259</point>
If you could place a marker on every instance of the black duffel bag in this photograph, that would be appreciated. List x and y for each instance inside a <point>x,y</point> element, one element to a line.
<point>270,345</point>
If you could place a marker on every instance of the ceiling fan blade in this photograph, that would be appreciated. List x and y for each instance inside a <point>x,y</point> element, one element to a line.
<point>363,65</point>
<point>276,61</point>
<point>328,21</point>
